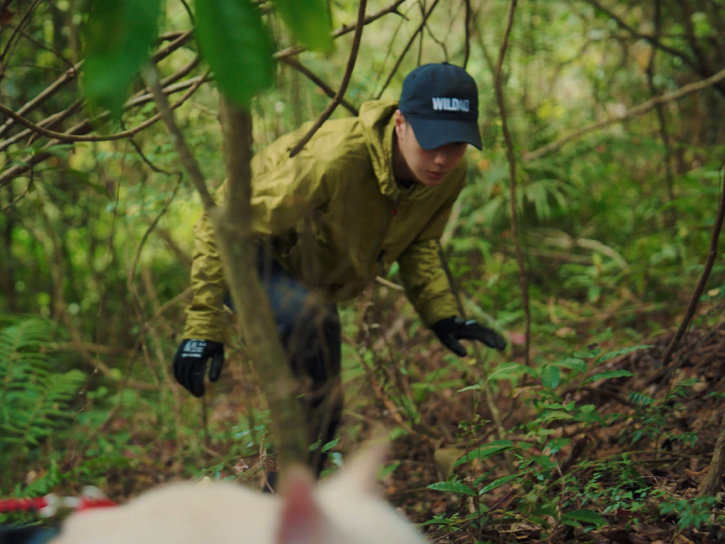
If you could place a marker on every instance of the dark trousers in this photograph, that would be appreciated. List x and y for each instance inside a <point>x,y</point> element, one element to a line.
<point>309,330</point>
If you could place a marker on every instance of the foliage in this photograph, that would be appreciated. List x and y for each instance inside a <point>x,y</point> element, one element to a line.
<point>549,490</point>
<point>614,225</point>
<point>224,26</point>
<point>35,397</point>
<point>118,34</point>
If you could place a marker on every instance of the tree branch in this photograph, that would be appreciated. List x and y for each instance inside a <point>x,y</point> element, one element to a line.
<point>709,263</point>
<point>408,46</point>
<point>70,137</point>
<point>512,173</point>
<point>151,78</point>
<point>85,127</point>
<point>297,65</point>
<point>233,227</point>
<point>637,110</point>
<point>343,86</point>
<point>701,69</point>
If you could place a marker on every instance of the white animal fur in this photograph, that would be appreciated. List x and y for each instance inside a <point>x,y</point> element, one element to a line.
<point>345,509</point>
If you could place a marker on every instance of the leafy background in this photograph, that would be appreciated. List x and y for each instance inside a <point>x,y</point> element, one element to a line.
<point>591,437</point>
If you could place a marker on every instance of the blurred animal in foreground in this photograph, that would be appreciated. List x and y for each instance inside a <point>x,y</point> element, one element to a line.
<point>345,509</point>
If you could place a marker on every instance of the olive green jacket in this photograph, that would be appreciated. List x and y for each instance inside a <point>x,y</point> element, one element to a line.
<point>336,217</point>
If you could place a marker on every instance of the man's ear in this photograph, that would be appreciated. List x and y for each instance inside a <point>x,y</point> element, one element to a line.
<point>400,123</point>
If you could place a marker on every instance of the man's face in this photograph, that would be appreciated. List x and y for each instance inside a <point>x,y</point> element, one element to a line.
<point>426,166</point>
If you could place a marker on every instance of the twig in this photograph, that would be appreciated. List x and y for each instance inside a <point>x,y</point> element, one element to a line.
<point>139,99</point>
<point>467,41</point>
<point>72,73</point>
<point>654,40</point>
<point>151,78</point>
<point>69,137</point>
<point>486,387</point>
<point>408,45</point>
<point>637,110</point>
<point>670,218</point>
<point>343,86</point>
<point>709,263</point>
<point>297,65</point>
<point>84,127</point>
<point>512,172</point>
<point>16,30</point>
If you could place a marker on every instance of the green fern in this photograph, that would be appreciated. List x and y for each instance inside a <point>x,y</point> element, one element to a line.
<point>34,396</point>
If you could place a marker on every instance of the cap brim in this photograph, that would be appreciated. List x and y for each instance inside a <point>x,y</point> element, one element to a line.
<point>435,133</point>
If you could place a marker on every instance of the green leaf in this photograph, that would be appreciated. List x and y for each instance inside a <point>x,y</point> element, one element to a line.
<point>474,387</point>
<point>118,39</point>
<point>457,488</point>
<point>498,483</point>
<point>236,45</point>
<point>483,452</point>
<point>572,363</point>
<point>624,351</point>
<point>550,376</point>
<point>555,445</point>
<point>608,375</point>
<point>309,22</point>
<point>509,371</point>
<point>584,516</point>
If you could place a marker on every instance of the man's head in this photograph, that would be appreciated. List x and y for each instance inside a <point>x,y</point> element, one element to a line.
<point>440,101</point>
<point>435,121</point>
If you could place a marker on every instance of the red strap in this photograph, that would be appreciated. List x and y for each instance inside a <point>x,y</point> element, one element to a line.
<point>15,505</point>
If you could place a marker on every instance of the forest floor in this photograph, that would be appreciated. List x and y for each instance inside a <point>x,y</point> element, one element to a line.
<point>667,464</point>
<point>655,451</point>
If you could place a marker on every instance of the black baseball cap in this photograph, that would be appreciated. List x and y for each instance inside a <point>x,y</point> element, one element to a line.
<point>440,101</point>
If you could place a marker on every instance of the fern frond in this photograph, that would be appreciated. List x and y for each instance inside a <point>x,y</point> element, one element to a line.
<point>34,398</point>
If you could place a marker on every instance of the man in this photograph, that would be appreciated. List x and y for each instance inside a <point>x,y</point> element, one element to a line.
<point>363,193</point>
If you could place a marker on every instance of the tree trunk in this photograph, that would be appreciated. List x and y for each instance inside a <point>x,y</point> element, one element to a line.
<point>710,485</point>
<point>232,224</point>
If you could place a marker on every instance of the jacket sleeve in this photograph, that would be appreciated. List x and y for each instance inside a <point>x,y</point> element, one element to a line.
<point>205,314</point>
<point>283,190</point>
<point>426,284</point>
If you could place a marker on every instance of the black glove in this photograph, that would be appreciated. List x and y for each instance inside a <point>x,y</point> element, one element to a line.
<point>190,363</point>
<point>452,329</point>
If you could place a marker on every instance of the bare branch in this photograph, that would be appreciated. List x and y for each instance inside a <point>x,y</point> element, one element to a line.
<point>16,30</point>
<point>343,86</point>
<point>138,100</point>
<point>703,69</point>
<point>408,46</point>
<point>649,38</point>
<point>232,223</point>
<point>295,64</point>
<point>85,127</point>
<point>67,76</point>
<point>177,40</point>
<point>467,41</point>
<point>39,128</point>
<point>151,77</point>
<point>512,173</point>
<point>700,287</point>
<point>638,110</point>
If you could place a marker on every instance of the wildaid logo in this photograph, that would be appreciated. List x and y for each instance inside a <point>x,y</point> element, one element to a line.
<point>442,103</point>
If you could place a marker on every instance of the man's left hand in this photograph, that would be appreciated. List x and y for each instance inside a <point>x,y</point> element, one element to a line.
<point>452,329</point>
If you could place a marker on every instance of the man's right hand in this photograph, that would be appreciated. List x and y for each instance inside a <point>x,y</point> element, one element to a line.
<point>190,363</point>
